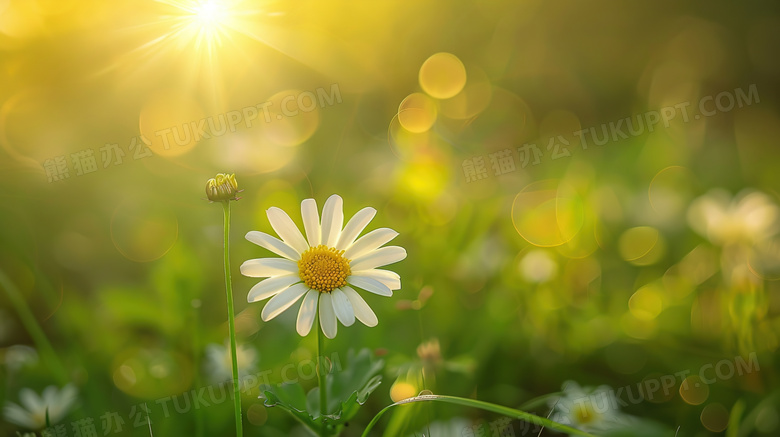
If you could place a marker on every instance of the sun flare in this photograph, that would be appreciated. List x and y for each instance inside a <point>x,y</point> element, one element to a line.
<point>204,23</point>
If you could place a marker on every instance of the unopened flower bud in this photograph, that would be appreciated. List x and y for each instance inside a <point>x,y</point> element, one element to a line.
<point>222,188</point>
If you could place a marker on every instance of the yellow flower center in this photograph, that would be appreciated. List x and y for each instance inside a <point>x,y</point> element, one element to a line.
<point>585,414</point>
<point>324,268</point>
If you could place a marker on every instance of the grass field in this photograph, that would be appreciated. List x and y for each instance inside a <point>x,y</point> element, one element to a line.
<point>574,208</point>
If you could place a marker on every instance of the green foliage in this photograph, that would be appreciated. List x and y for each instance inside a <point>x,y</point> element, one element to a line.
<point>348,389</point>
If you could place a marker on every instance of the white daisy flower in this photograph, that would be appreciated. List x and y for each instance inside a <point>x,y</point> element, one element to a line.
<point>219,362</point>
<point>32,413</point>
<point>322,267</point>
<point>588,409</point>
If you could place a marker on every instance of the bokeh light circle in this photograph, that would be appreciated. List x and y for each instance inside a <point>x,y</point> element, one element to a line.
<point>292,117</point>
<point>547,213</point>
<point>171,122</point>
<point>715,417</point>
<point>249,153</point>
<point>407,145</point>
<point>442,75</point>
<point>670,190</point>
<point>584,243</point>
<point>647,302</point>
<point>642,245</point>
<point>143,231</point>
<point>257,414</point>
<point>507,119</point>
<point>472,99</point>
<point>694,391</point>
<point>417,113</point>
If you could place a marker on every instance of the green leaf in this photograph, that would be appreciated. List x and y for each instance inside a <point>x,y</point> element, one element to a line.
<point>291,398</point>
<point>348,389</point>
<point>734,418</point>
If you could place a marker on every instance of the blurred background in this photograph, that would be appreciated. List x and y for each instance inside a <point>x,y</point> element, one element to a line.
<point>587,192</point>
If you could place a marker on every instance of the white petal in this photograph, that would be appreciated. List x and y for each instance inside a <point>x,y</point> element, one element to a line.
<point>342,307</point>
<point>68,393</point>
<point>371,285</point>
<point>285,228</point>
<point>378,258</point>
<point>354,227</point>
<point>311,221</point>
<point>363,312</point>
<point>332,220</point>
<point>273,244</point>
<point>19,416</point>
<point>31,401</point>
<point>391,279</point>
<point>327,316</point>
<point>306,313</point>
<point>68,397</point>
<point>49,396</point>
<point>61,401</point>
<point>282,301</point>
<point>267,267</point>
<point>369,242</point>
<point>270,287</point>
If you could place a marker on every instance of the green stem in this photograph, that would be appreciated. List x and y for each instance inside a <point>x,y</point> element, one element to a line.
<point>232,322</point>
<point>196,356</point>
<point>32,326</point>
<point>322,374</point>
<point>506,411</point>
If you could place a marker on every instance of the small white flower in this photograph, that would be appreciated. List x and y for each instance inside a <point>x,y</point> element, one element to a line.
<point>321,267</point>
<point>32,413</point>
<point>587,409</point>
<point>19,355</point>
<point>219,363</point>
<point>748,218</point>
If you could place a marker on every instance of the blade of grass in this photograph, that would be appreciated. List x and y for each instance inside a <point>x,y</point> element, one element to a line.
<point>538,401</point>
<point>34,328</point>
<point>487,406</point>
